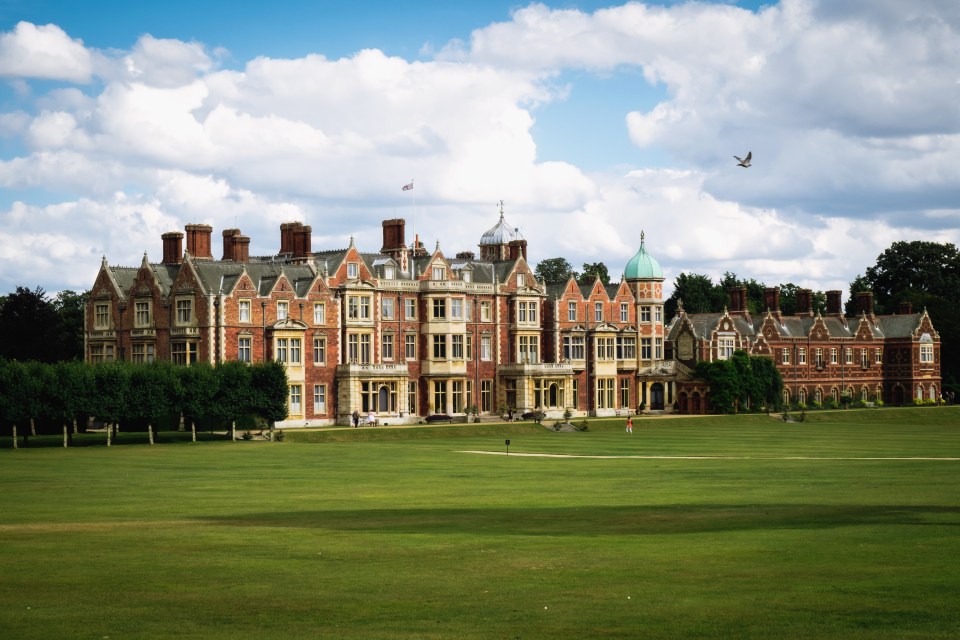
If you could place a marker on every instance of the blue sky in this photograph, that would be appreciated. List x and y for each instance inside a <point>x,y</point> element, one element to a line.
<point>594,121</point>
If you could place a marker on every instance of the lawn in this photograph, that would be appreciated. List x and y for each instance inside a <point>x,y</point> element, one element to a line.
<point>843,526</point>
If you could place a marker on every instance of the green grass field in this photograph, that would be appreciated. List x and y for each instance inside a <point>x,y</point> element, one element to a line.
<point>844,526</point>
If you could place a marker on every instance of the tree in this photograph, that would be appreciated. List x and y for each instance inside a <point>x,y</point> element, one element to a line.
<point>72,394</point>
<point>150,393</point>
<point>742,383</point>
<point>592,270</point>
<point>269,385</point>
<point>110,381</point>
<point>233,394</point>
<point>196,389</point>
<point>29,326</point>
<point>69,333</point>
<point>554,271</point>
<point>698,294</point>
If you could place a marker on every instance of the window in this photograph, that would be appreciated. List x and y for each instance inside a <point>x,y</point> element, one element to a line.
<point>725,347</point>
<point>319,313</point>
<point>440,396</point>
<point>926,353</point>
<point>605,348</point>
<point>571,311</point>
<point>411,306</point>
<point>486,353</point>
<point>469,354</point>
<point>243,349</point>
<point>785,356</point>
<point>365,348</point>
<point>143,353</point>
<point>389,272</point>
<point>439,308</point>
<point>353,270</point>
<point>440,347</point>
<point>358,307</point>
<point>878,355</point>
<point>522,312</point>
<point>819,357</point>
<point>624,312</point>
<point>319,398</point>
<point>532,308</point>
<point>283,309</point>
<point>296,351</point>
<point>353,348</point>
<point>243,309</point>
<point>658,348</point>
<point>802,356</point>
<point>627,348</point>
<point>320,350</point>
<point>521,279</point>
<point>101,316</point>
<point>295,398</point>
<point>646,348</point>
<point>598,311</point>
<point>456,347</point>
<point>184,311</point>
<point>486,395</point>
<point>456,309</point>
<point>412,397</point>
<point>466,276</point>
<point>387,346</point>
<point>485,311</point>
<point>438,273</point>
<point>183,353</point>
<point>864,359</point>
<point>410,346</point>
<point>833,355</point>
<point>645,314</point>
<point>658,314</point>
<point>605,393</point>
<point>469,308</point>
<point>576,394</point>
<point>848,355</point>
<point>457,394</point>
<point>387,308</point>
<point>573,348</point>
<point>528,349</point>
<point>142,317</point>
<point>624,392</point>
<point>281,350</point>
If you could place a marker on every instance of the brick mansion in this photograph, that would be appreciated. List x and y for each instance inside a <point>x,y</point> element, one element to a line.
<point>404,332</point>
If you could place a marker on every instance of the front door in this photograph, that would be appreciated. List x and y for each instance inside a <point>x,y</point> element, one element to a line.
<point>656,396</point>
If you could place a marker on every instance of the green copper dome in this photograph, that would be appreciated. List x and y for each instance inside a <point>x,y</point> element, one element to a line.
<point>643,265</point>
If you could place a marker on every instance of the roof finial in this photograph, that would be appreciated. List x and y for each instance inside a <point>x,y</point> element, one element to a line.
<point>642,235</point>
<point>501,209</point>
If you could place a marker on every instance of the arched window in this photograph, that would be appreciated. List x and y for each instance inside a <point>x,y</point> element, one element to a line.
<point>802,396</point>
<point>863,394</point>
<point>786,396</point>
<point>933,392</point>
<point>818,396</point>
<point>919,392</point>
<point>835,394</point>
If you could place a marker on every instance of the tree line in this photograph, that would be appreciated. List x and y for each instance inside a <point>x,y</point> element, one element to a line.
<point>742,383</point>
<point>39,398</point>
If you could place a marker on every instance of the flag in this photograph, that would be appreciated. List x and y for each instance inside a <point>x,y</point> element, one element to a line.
<point>407,187</point>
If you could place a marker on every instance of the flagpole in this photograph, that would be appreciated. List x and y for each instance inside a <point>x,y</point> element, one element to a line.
<point>413,201</point>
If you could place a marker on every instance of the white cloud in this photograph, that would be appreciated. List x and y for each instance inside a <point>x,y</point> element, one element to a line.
<point>46,51</point>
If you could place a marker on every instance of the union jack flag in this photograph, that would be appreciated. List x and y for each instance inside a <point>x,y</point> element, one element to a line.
<point>407,187</point>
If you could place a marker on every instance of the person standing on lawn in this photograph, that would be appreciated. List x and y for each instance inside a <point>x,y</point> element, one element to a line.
<point>629,424</point>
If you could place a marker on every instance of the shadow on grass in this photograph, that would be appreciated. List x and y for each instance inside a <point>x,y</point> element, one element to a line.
<point>602,520</point>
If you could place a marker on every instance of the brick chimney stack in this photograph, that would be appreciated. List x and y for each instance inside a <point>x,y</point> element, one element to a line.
<point>771,299</point>
<point>906,308</point>
<point>172,247</point>
<point>302,240</point>
<point>738,299</point>
<point>198,241</point>
<point>865,303</point>
<point>518,248</point>
<point>393,235</point>
<point>236,246</point>
<point>804,302</point>
<point>835,303</point>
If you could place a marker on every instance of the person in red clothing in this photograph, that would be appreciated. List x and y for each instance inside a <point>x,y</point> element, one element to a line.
<point>629,424</point>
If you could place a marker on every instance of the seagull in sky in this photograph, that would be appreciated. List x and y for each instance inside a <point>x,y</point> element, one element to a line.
<point>744,162</point>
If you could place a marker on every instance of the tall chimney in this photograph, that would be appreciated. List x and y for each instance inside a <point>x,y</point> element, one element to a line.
<point>738,299</point>
<point>906,308</point>
<point>517,248</point>
<point>198,241</point>
<point>865,302</point>
<point>228,236</point>
<point>287,230</point>
<point>771,298</point>
<point>804,302</point>
<point>236,246</point>
<point>393,235</point>
<point>172,247</point>
<point>834,302</point>
<point>302,241</point>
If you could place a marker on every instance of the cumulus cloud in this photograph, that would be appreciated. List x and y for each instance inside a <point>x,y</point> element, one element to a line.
<point>45,52</point>
<point>851,151</point>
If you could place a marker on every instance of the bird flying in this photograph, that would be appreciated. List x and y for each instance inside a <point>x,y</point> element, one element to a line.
<point>745,162</point>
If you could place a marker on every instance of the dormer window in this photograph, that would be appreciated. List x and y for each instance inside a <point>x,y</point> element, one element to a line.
<point>353,270</point>
<point>439,273</point>
<point>466,276</point>
<point>389,272</point>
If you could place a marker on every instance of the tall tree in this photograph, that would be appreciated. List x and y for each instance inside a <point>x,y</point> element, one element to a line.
<point>698,294</point>
<point>29,326</point>
<point>554,271</point>
<point>593,270</point>
<point>859,284</point>
<point>69,306</point>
